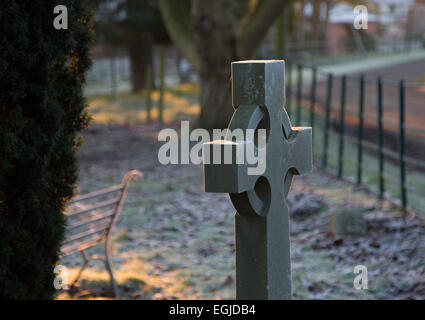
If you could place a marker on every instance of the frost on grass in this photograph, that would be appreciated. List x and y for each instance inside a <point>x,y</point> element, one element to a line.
<point>173,241</point>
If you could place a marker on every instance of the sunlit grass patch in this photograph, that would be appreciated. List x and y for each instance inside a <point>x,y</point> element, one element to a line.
<point>175,241</point>
<point>180,103</point>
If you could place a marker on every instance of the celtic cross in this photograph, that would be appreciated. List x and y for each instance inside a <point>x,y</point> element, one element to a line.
<point>263,265</point>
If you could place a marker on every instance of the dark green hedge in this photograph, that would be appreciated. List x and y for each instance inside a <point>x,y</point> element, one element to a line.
<point>41,111</point>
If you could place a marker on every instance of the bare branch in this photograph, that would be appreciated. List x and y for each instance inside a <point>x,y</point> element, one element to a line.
<point>252,33</point>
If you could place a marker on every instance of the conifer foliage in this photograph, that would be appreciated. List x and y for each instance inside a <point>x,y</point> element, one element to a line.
<point>41,111</point>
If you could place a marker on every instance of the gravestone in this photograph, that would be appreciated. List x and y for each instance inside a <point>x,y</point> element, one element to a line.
<point>263,266</point>
<point>349,221</point>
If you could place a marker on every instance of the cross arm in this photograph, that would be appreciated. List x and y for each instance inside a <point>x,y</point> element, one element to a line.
<point>220,176</point>
<point>302,157</point>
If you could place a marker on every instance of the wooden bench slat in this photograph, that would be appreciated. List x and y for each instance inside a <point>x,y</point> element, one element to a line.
<point>98,205</point>
<point>87,227</point>
<point>81,245</point>
<point>93,228</point>
<point>97,193</point>
<point>75,225</point>
<point>99,228</point>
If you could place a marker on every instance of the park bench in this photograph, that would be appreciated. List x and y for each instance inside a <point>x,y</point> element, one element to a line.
<point>90,220</point>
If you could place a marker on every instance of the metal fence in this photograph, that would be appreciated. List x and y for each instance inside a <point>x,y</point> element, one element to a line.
<point>111,74</point>
<point>366,128</point>
<point>363,126</point>
<point>321,50</point>
<point>108,76</point>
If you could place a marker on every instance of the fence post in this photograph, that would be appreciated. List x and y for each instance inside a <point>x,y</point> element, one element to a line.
<point>313,97</point>
<point>401,147</point>
<point>380,140</point>
<point>341,127</point>
<point>161,85</point>
<point>148,92</point>
<point>328,111</point>
<point>360,131</point>
<point>299,92</point>
<point>289,82</point>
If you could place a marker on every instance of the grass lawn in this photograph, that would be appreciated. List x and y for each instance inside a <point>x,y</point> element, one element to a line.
<point>174,241</point>
<point>181,103</point>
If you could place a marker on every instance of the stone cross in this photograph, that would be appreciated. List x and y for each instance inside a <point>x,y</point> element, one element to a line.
<point>263,265</point>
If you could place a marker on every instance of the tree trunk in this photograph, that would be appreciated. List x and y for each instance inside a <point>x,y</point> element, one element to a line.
<point>140,52</point>
<point>283,24</point>
<point>215,99</point>
<point>280,34</point>
<point>215,41</point>
<point>211,35</point>
<point>291,22</point>
<point>326,24</point>
<point>315,21</point>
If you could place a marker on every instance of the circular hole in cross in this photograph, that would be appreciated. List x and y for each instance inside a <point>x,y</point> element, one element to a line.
<point>263,191</point>
<point>263,124</point>
<point>287,181</point>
